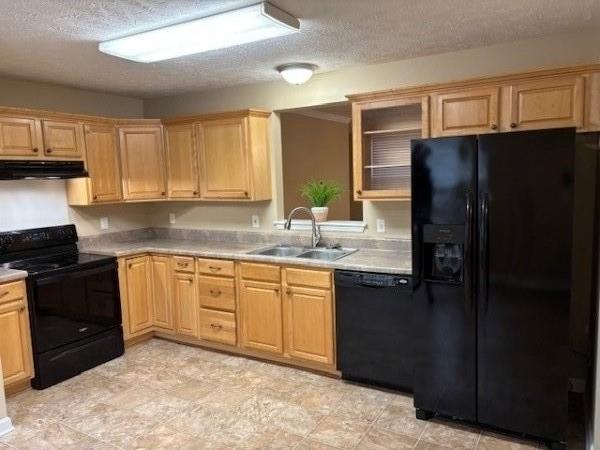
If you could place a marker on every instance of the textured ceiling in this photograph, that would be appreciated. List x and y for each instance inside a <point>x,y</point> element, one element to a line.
<point>56,40</point>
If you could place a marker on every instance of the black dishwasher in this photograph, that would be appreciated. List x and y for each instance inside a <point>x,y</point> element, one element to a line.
<point>374,329</point>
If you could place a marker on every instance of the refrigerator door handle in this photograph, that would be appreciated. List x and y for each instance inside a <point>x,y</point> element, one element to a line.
<point>483,249</point>
<point>468,250</point>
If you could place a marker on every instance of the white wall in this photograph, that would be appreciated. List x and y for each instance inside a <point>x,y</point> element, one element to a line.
<point>32,204</point>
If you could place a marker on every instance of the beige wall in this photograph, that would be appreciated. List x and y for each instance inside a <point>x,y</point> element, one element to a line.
<point>315,149</point>
<point>30,94</point>
<point>331,87</point>
<point>38,203</point>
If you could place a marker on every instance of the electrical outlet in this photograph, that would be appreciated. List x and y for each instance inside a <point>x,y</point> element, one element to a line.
<point>255,221</point>
<point>172,218</point>
<point>380,225</point>
<point>104,223</point>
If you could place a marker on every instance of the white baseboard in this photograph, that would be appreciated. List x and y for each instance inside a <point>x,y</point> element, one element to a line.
<point>5,426</point>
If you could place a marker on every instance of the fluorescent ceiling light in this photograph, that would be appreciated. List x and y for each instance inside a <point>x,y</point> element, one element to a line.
<point>240,26</point>
<point>296,73</point>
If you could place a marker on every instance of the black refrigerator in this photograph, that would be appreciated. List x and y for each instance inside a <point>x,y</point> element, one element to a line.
<point>492,224</point>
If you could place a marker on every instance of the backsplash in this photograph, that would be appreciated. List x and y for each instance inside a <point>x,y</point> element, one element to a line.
<point>260,238</point>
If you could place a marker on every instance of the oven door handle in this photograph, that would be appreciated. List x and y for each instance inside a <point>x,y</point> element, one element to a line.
<point>74,274</point>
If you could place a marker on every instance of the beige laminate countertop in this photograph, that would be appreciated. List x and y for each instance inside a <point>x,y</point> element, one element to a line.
<point>366,260</point>
<point>7,275</point>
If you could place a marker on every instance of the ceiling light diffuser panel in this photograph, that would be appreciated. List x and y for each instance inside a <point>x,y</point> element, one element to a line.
<point>228,29</point>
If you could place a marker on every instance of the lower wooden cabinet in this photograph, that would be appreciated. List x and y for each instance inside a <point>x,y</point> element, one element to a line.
<point>283,313</point>
<point>15,339</point>
<point>162,306</point>
<point>186,304</point>
<point>139,294</point>
<point>261,319</point>
<point>308,324</point>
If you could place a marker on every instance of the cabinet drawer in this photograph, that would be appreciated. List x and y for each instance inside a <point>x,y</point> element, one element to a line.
<point>215,267</point>
<point>11,292</point>
<point>183,264</point>
<point>217,326</point>
<point>308,278</point>
<point>216,293</point>
<point>260,272</point>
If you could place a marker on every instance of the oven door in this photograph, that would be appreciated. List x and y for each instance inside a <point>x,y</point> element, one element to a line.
<point>73,305</point>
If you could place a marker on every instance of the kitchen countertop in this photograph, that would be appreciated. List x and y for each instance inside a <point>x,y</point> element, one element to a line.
<point>7,275</point>
<point>366,260</point>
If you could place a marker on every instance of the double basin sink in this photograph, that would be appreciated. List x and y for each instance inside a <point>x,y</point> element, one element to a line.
<point>290,251</point>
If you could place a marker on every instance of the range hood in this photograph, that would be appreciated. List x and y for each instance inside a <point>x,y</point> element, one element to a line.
<point>19,170</point>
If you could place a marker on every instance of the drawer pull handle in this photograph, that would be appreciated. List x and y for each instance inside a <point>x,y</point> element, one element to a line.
<point>182,264</point>
<point>493,126</point>
<point>215,293</point>
<point>4,294</point>
<point>35,150</point>
<point>214,268</point>
<point>513,125</point>
<point>216,326</point>
<point>48,150</point>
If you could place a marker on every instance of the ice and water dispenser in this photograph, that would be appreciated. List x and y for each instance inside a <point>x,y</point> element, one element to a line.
<point>443,253</point>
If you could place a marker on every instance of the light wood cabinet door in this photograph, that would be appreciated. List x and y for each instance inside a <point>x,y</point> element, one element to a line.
<point>470,111</point>
<point>103,163</point>
<point>308,324</point>
<point>15,339</point>
<point>261,316</point>
<point>19,137</point>
<point>142,163</point>
<point>223,159</point>
<point>186,304</point>
<point>552,103</point>
<point>162,306</point>
<point>182,161</point>
<point>63,139</point>
<point>139,293</point>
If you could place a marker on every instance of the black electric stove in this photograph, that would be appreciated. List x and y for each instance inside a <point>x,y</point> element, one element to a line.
<point>74,303</point>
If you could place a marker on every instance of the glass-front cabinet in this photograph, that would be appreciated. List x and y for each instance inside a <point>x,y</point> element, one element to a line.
<point>382,131</point>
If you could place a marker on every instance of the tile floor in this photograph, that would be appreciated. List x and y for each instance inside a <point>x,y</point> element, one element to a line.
<point>163,395</point>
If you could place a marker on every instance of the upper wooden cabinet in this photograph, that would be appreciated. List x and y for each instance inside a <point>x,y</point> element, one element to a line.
<point>547,103</point>
<point>142,163</point>
<point>468,111</point>
<point>382,131</point>
<point>15,340</point>
<point>102,157</point>
<point>63,140</point>
<point>182,161</point>
<point>233,158</point>
<point>20,138</point>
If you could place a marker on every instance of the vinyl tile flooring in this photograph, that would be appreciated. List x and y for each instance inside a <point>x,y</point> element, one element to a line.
<point>162,395</point>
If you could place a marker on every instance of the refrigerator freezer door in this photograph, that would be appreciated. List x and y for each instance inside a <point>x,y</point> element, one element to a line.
<point>525,216</point>
<point>444,176</point>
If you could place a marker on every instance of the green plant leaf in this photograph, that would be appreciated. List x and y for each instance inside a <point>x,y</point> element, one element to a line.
<point>320,193</point>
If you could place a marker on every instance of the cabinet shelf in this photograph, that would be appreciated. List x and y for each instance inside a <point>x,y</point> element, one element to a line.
<point>394,130</point>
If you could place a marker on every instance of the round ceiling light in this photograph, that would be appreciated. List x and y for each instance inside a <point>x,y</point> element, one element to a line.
<point>296,73</point>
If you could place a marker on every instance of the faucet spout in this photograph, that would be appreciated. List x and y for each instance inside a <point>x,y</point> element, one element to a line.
<point>316,233</point>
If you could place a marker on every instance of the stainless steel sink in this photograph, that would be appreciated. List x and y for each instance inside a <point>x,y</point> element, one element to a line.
<point>280,250</point>
<point>290,251</point>
<point>326,254</point>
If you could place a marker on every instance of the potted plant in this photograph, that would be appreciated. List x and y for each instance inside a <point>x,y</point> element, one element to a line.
<point>319,194</point>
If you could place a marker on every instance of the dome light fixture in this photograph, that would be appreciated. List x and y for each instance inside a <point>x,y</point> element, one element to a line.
<point>296,73</point>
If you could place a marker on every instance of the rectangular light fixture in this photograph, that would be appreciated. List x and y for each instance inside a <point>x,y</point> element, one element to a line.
<point>228,29</point>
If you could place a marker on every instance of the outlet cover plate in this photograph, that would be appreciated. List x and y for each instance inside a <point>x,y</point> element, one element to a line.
<point>104,223</point>
<point>255,221</point>
<point>380,225</point>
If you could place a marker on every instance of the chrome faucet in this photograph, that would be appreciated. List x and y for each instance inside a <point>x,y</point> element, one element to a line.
<point>316,234</point>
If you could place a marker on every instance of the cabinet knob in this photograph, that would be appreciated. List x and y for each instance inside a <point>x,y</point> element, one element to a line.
<point>190,280</point>
<point>195,192</point>
<point>216,325</point>
<point>359,192</point>
<point>130,265</point>
<point>513,125</point>
<point>163,193</point>
<point>493,126</point>
<point>215,293</point>
<point>35,150</point>
<point>288,291</point>
<point>95,197</point>
<point>245,193</point>
<point>48,150</point>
